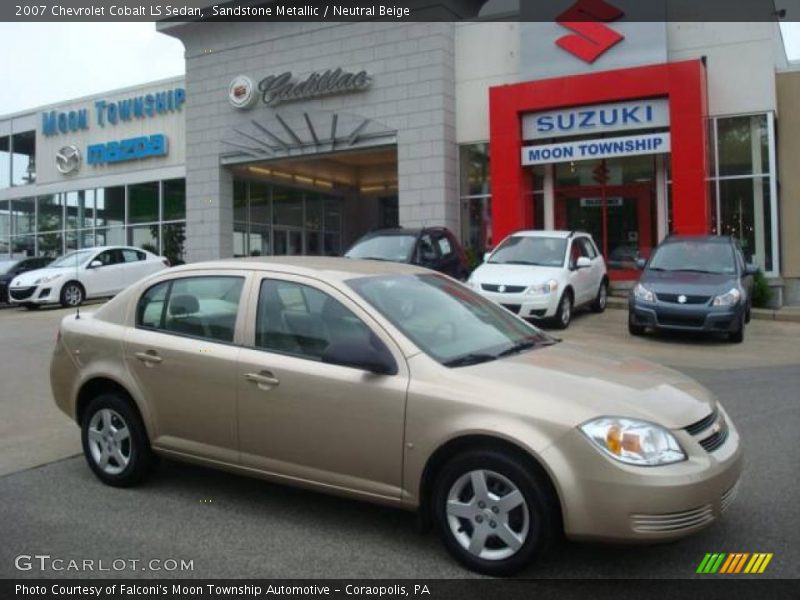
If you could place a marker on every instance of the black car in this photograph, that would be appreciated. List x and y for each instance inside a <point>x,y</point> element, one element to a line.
<point>432,247</point>
<point>16,266</point>
<point>693,283</point>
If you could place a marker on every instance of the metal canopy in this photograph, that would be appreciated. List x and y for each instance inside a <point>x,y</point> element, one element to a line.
<point>302,134</point>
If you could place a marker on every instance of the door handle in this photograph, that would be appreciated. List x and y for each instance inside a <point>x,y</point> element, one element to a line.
<point>265,380</point>
<point>150,358</point>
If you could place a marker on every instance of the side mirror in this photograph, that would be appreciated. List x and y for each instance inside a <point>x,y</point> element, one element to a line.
<point>583,262</point>
<point>640,263</point>
<point>750,269</point>
<point>486,256</point>
<point>95,264</point>
<point>360,354</point>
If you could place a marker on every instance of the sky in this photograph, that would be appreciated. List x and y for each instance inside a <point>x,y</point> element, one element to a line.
<point>54,62</point>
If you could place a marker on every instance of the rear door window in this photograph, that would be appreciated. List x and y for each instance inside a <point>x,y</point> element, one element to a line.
<point>203,307</point>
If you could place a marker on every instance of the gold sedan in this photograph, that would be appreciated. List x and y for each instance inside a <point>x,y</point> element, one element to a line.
<point>394,384</point>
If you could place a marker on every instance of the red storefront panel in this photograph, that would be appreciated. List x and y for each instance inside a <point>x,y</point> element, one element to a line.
<point>683,83</point>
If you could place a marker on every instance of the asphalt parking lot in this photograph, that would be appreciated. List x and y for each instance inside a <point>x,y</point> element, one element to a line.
<point>231,526</point>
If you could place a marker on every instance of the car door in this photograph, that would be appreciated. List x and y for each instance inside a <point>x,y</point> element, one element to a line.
<point>578,278</point>
<point>105,279</point>
<point>182,353</point>
<point>597,269</point>
<point>307,420</point>
<point>449,261</point>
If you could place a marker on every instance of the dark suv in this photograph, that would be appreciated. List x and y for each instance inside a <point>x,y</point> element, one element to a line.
<point>432,247</point>
<point>16,266</point>
<point>693,283</point>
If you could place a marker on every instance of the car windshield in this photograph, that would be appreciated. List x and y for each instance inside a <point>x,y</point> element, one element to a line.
<point>694,256</point>
<point>396,248</point>
<point>72,259</point>
<point>525,250</point>
<point>448,321</point>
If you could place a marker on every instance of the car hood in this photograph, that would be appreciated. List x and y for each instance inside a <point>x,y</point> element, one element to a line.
<point>685,282</point>
<point>577,386</point>
<point>28,278</point>
<point>514,274</point>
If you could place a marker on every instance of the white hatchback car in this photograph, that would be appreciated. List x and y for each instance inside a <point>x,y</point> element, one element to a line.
<point>87,273</point>
<point>544,275</point>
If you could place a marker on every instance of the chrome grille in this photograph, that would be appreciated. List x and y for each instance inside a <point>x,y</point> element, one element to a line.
<point>728,497</point>
<point>507,289</point>
<point>703,423</point>
<point>673,522</point>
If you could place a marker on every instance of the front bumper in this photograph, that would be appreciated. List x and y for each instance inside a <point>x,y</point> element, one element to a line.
<point>603,499</point>
<point>685,317</point>
<point>527,306</point>
<point>34,294</point>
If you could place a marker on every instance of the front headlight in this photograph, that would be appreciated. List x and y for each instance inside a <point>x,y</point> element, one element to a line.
<point>642,293</point>
<point>543,288</point>
<point>46,279</point>
<point>729,298</point>
<point>634,442</point>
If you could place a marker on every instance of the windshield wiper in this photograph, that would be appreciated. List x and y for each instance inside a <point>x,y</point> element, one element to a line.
<point>373,258</point>
<point>696,271</point>
<point>516,262</point>
<point>473,358</point>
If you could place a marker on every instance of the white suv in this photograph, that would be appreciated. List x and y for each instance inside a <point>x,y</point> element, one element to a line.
<point>544,275</point>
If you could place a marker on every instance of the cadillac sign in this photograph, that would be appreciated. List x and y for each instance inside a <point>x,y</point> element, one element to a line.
<point>277,89</point>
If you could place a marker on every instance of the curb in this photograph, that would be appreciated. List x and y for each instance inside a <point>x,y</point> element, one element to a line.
<point>791,315</point>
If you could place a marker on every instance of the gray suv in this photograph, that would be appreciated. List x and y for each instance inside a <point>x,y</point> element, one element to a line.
<point>693,283</point>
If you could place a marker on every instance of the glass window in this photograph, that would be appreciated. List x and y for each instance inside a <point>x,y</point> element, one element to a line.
<point>51,244</point>
<point>150,308</point>
<point>110,205</point>
<point>475,173</point>
<point>109,257</point>
<point>710,257</point>
<point>132,255</point>
<point>5,220</point>
<point>23,166</point>
<point>112,236</point>
<point>301,320</point>
<point>144,237</point>
<point>398,247</point>
<point>287,207</point>
<point>204,307</point>
<point>23,216</point>
<point>173,236</point>
<point>51,211</point>
<point>258,243</point>
<point>143,202</point>
<point>80,209</point>
<point>527,250</point>
<point>174,199</point>
<point>454,325</point>
<point>743,145</point>
<point>23,245</point>
<point>5,161</point>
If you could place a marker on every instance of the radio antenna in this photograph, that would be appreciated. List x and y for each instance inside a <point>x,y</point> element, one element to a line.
<point>77,274</point>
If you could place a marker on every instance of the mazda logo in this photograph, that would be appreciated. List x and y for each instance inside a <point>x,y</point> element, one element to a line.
<point>68,159</point>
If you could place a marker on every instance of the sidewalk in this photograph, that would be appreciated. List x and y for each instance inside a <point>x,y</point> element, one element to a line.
<point>787,313</point>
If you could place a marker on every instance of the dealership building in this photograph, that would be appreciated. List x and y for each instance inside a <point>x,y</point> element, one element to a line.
<point>297,138</point>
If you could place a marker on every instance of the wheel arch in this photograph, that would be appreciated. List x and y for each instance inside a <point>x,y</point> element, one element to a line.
<point>93,387</point>
<point>451,448</point>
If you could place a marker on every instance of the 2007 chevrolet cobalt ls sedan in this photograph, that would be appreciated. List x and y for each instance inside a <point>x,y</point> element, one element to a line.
<point>394,384</point>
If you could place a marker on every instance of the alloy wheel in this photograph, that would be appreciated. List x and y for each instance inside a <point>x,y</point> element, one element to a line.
<point>73,295</point>
<point>603,296</point>
<point>109,441</point>
<point>487,515</point>
<point>566,311</point>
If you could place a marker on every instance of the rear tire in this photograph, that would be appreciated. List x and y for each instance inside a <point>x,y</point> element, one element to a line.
<point>501,528</point>
<point>115,442</point>
<point>601,299</point>
<point>72,294</point>
<point>563,315</point>
<point>633,328</point>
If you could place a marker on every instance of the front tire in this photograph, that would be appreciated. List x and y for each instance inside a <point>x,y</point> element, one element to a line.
<point>563,315</point>
<point>72,294</point>
<point>633,328</point>
<point>493,512</point>
<point>601,299</point>
<point>115,442</point>
<point>737,336</point>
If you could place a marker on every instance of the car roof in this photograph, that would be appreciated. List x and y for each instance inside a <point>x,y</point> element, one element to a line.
<point>320,267</point>
<point>404,230</point>
<point>551,233</point>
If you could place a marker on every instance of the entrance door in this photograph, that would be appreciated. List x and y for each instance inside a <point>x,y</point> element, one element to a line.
<point>288,242</point>
<point>618,217</point>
